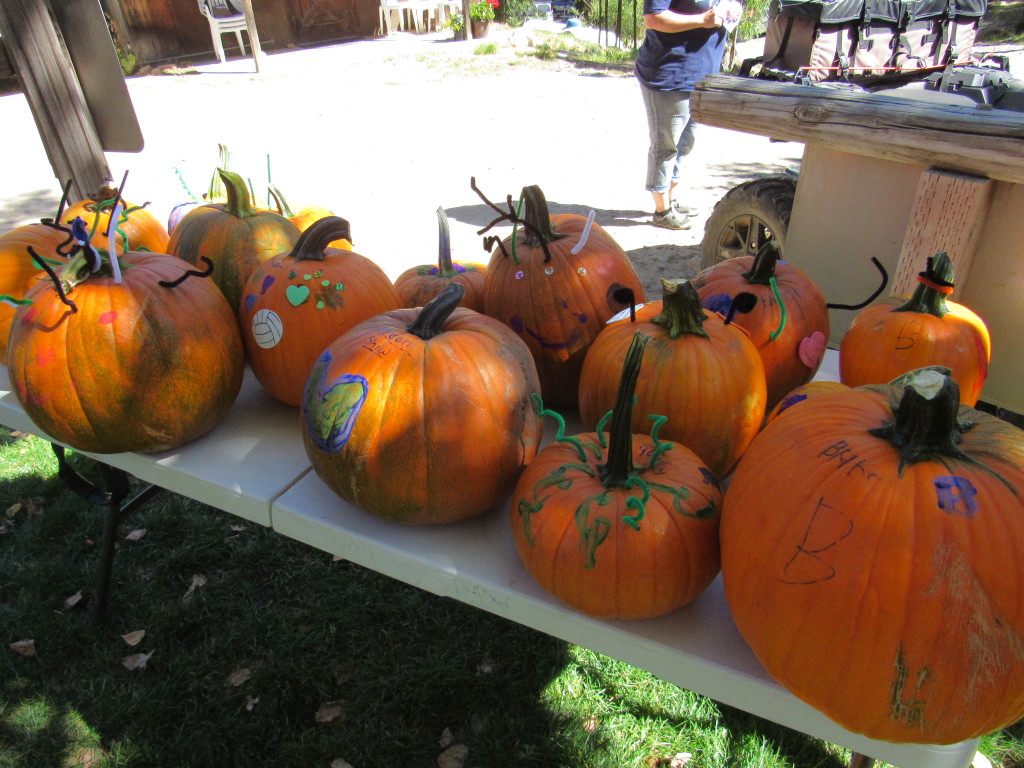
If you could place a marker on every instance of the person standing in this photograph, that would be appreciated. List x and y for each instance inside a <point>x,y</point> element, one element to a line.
<point>685,42</point>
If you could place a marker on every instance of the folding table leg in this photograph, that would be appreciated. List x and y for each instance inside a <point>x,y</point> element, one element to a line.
<point>858,760</point>
<point>110,497</point>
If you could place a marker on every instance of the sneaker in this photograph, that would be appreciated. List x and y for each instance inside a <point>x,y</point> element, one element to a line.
<point>670,219</point>
<point>684,210</point>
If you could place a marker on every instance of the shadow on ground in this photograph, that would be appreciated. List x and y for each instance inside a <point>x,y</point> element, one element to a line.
<point>15,211</point>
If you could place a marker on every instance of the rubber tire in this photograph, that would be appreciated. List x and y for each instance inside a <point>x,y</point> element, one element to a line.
<point>748,216</point>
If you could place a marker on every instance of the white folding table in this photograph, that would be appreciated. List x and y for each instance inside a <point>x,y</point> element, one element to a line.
<point>254,466</point>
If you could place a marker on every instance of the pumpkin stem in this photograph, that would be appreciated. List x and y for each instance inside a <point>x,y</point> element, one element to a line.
<point>936,283</point>
<point>239,202</point>
<point>445,266</point>
<point>433,315</point>
<point>762,270</point>
<point>321,233</point>
<point>537,221</point>
<point>619,470</point>
<point>216,189</point>
<point>279,202</point>
<point>925,426</point>
<point>681,311</point>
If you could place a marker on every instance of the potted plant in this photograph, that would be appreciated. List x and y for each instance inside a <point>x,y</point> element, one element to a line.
<point>457,24</point>
<point>481,14</point>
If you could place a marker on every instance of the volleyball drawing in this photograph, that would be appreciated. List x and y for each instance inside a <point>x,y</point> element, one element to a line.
<point>267,328</point>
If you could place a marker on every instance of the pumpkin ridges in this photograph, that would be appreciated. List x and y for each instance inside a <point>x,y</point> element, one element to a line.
<point>417,394</point>
<point>76,398</point>
<point>698,419</point>
<point>906,594</point>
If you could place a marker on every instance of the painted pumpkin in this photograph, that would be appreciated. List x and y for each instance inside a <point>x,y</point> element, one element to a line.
<point>871,547</point>
<point>556,281</point>
<point>18,271</point>
<point>297,303</point>
<point>418,285</point>
<point>136,229</point>
<point>234,235</point>
<point>788,322</point>
<point>423,416</point>
<point>801,394</point>
<point>618,524</point>
<point>903,334</point>
<point>703,374</point>
<point>129,358</point>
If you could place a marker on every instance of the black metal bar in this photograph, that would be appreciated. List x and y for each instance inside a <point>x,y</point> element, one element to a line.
<point>115,488</point>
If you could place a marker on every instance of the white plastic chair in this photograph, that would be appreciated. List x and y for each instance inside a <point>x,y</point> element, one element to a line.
<point>387,8</point>
<point>221,24</point>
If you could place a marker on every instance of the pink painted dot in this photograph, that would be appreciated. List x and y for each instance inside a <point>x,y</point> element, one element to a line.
<point>108,317</point>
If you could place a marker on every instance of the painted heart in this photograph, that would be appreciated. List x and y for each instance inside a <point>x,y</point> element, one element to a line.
<point>812,349</point>
<point>297,294</point>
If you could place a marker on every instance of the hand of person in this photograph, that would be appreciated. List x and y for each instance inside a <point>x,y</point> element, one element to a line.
<point>712,17</point>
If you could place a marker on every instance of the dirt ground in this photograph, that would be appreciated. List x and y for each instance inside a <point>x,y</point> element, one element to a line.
<point>385,131</point>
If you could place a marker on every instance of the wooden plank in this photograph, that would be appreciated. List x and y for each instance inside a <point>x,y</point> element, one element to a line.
<point>993,288</point>
<point>967,139</point>
<point>849,209</point>
<point>949,213</point>
<point>53,92</point>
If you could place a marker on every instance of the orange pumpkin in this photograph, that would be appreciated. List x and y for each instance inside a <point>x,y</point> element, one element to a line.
<point>296,303</point>
<point>621,525</point>
<point>903,334</point>
<point>234,235</point>
<point>703,374</point>
<point>423,416</point>
<point>135,230</point>
<point>789,322</point>
<point>871,547</point>
<point>556,290</point>
<point>418,285</point>
<point>128,358</point>
<point>18,272</point>
<point>801,394</point>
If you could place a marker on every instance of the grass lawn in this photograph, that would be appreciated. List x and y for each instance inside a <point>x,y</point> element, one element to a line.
<point>229,645</point>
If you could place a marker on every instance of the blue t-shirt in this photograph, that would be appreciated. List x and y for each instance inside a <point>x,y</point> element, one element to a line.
<point>675,61</point>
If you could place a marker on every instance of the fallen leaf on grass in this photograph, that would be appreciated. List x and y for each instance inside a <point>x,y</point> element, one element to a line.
<point>13,510</point>
<point>134,638</point>
<point>135,535</point>
<point>339,763</point>
<point>136,662</point>
<point>331,713</point>
<point>679,760</point>
<point>198,581</point>
<point>72,601</point>
<point>590,724</point>
<point>90,757</point>
<point>251,702</point>
<point>447,738</point>
<point>25,648</point>
<point>237,676</point>
<point>453,757</point>
<point>486,666</point>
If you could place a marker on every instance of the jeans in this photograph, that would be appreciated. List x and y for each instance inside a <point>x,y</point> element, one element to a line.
<point>672,134</point>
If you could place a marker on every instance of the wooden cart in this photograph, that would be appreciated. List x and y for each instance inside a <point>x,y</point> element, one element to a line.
<point>897,179</point>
